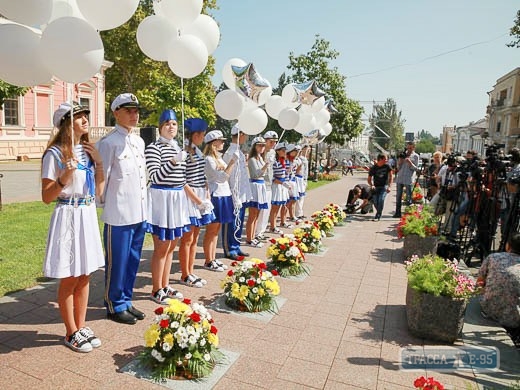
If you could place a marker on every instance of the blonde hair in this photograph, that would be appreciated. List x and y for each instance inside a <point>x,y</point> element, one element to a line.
<point>211,151</point>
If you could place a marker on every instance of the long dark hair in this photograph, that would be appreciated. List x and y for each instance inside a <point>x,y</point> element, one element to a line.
<point>63,139</point>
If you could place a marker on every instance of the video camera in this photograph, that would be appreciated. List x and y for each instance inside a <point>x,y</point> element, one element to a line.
<point>403,154</point>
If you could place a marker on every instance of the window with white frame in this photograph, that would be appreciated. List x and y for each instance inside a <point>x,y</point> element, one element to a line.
<point>86,102</point>
<point>11,114</point>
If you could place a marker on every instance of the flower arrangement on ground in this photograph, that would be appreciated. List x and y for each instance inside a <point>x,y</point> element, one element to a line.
<point>417,194</point>
<point>434,275</point>
<point>420,220</point>
<point>308,236</point>
<point>182,341</point>
<point>249,286</point>
<point>430,383</point>
<point>324,221</point>
<point>337,213</point>
<point>286,257</point>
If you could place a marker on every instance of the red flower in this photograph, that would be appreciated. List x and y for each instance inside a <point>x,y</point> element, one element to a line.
<point>187,301</point>
<point>230,272</point>
<point>195,317</point>
<point>251,282</point>
<point>213,329</point>
<point>262,266</point>
<point>272,241</point>
<point>282,247</point>
<point>159,310</point>
<point>419,382</point>
<point>164,324</point>
<point>291,243</point>
<point>234,264</point>
<point>211,321</point>
<point>274,272</point>
<point>240,258</point>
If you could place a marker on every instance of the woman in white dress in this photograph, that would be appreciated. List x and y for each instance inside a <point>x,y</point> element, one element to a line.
<point>257,167</point>
<point>72,175</point>
<point>168,204</point>
<point>280,188</point>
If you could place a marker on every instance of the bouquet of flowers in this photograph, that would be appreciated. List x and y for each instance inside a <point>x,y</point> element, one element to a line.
<point>324,220</point>
<point>338,215</point>
<point>287,258</point>
<point>423,383</point>
<point>417,194</point>
<point>308,236</point>
<point>182,341</point>
<point>249,286</point>
<point>432,274</point>
<point>420,220</point>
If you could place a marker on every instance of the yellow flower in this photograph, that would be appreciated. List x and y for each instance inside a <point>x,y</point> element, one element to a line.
<point>177,307</point>
<point>151,335</point>
<point>273,286</point>
<point>244,290</point>
<point>261,291</point>
<point>235,287</point>
<point>168,338</point>
<point>256,261</point>
<point>206,324</point>
<point>213,339</point>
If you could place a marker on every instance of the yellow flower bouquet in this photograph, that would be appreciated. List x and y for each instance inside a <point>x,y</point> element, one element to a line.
<point>325,221</point>
<point>308,236</point>
<point>249,286</point>
<point>181,341</point>
<point>338,215</point>
<point>286,257</point>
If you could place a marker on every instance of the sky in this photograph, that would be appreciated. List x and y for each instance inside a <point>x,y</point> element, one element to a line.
<point>436,58</point>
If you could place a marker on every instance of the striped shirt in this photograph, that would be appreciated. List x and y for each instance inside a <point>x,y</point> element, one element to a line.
<point>195,176</point>
<point>161,168</point>
<point>279,172</point>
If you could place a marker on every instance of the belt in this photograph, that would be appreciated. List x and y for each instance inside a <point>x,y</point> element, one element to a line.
<point>282,179</point>
<point>166,187</point>
<point>299,176</point>
<point>86,201</point>
<point>257,181</point>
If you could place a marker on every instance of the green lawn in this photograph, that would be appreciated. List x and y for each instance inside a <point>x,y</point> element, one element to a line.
<point>23,235</point>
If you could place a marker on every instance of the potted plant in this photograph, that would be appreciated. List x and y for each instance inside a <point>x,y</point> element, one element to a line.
<point>325,222</point>
<point>249,286</point>
<point>308,236</point>
<point>181,342</point>
<point>420,228</point>
<point>286,257</point>
<point>417,194</point>
<point>436,297</point>
<point>338,215</point>
<point>429,383</point>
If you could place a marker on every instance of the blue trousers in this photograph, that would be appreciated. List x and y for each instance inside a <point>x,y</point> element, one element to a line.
<point>378,198</point>
<point>231,233</point>
<point>399,196</point>
<point>123,246</point>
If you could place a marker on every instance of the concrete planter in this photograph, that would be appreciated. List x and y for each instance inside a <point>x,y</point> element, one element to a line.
<point>417,245</point>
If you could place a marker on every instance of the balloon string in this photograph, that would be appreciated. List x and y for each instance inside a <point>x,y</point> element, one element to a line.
<point>280,139</point>
<point>182,110</point>
<point>236,194</point>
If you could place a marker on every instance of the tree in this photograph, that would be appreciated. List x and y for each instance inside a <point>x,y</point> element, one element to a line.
<point>315,65</point>
<point>427,136</point>
<point>515,32</point>
<point>386,119</point>
<point>425,146</point>
<point>8,91</point>
<point>151,81</point>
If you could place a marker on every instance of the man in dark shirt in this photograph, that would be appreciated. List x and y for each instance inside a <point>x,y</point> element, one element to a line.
<point>363,192</point>
<point>380,179</point>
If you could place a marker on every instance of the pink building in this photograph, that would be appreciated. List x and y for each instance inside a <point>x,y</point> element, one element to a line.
<point>26,121</point>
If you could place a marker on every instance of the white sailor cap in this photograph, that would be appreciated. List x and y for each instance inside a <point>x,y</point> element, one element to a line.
<point>124,100</point>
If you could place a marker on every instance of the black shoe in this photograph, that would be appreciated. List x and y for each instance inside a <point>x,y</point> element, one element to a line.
<point>136,313</point>
<point>235,256</point>
<point>245,254</point>
<point>396,215</point>
<point>123,317</point>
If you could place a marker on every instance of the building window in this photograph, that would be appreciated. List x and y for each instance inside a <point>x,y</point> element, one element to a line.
<point>499,125</point>
<point>86,102</point>
<point>11,117</point>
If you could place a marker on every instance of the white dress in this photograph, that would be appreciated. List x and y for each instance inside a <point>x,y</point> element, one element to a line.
<point>73,242</point>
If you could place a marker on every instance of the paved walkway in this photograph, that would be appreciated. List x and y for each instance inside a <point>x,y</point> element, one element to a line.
<point>342,327</point>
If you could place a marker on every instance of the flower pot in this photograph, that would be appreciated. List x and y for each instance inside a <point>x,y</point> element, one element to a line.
<point>417,245</point>
<point>434,317</point>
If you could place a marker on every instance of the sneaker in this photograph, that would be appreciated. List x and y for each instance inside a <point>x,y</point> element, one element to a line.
<point>203,281</point>
<point>90,336</point>
<point>286,225</point>
<point>160,297</point>
<point>261,237</point>
<point>275,231</point>
<point>221,264</point>
<point>78,343</point>
<point>254,243</point>
<point>172,293</point>
<point>192,281</point>
<point>213,266</point>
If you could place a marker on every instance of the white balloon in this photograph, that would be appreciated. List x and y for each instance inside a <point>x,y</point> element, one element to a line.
<point>327,128</point>
<point>157,8</point>
<point>72,49</point>
<point>187,56</point>
<point>289,96</point>
<point>227,73</point>
<point>265,95</point>
<point>181,12</point>
<point>252,121</point>
<point>288,118</point>
<point>274,105</point>
<point>107,14</point>
<point>205,28</point>
<point>64,8</point>
<point>306,122</point>
<point>22,64</point>
<point>318,104</point>
<point>154,35</point>
<point>229,104</point>
<point>305,108</point>
<point>322,117</point>
<point>29,12</point>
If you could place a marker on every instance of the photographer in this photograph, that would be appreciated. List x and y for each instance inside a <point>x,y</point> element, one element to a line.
<point>433,173</point>
<point>363,192</point>
<point>407,167</point>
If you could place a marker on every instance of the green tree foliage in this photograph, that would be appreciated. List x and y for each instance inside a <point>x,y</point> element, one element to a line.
<point>387,118</point>
<point>425,146</point>
<point>8,91</point>
<point>151,81</point>
<point>515,32</point>
<point>427,136</point>
<point>315,65</point>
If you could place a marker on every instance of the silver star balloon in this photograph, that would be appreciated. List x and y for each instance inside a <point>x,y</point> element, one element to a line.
<point>308,92</point>
<point>329,106</point>
<point>314,137</point>
<point>249,82</point>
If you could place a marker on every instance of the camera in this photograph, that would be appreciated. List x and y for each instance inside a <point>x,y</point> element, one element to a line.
<point>403,154</point>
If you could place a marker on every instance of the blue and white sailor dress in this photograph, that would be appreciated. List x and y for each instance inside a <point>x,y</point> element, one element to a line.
<point>73,243</point>
<point>196,179</point>
<point>257,183</point>
<point>167,200</point>
<point>280,193</point>
<point>301,176</point>
<point>218,184</point>
<point>291,175</point>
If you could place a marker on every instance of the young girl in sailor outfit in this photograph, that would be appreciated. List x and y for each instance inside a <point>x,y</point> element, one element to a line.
<point>168,204</point>
<point>72,175</point>
<point>280,188</point>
